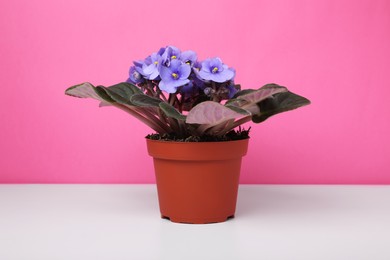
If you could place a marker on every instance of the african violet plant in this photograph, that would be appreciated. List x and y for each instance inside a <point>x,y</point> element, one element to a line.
<point>175,94</point>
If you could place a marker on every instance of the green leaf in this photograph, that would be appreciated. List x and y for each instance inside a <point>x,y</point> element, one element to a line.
<point>279,103</point>
<point>234,102</point>
<point>170,111</point>
<point>121,93</point>
<point>211,113</point>
<point>238,110</point>
<point>143,100</point>
<point>125,89</point>
<point>87,90</point>
<point>118,95</point>
<point>243,92</point>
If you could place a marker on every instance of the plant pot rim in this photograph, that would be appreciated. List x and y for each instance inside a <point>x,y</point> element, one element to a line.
<point>200,142</point>
<point>192,151</point>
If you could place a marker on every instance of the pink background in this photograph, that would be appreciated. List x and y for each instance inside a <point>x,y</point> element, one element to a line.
<point>336,53</point>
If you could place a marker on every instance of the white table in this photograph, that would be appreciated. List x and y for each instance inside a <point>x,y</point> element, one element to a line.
<point>123,222</point>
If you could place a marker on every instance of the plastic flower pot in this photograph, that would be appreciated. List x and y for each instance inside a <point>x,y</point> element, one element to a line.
<point>197,182</point>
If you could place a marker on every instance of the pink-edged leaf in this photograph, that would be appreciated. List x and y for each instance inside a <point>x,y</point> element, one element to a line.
<point>262,93</point>
<point>84,90</point>
<point>212,113</point>
<point>105,104</point>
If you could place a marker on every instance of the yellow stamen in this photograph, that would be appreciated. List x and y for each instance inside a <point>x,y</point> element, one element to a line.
<point>215,69</point>
<point>175,76</point>
<point>173,57</point>
<point>156,62</point>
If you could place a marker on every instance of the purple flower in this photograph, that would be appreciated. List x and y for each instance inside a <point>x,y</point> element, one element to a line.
<point>197,81</point>
<point>170,53</point>
<point>150,66</point>
<point>134,76</point>
<point>174,76</point>
<point>161,51</point>
<point>188,57</point>
<point>138,66</point>
<point>197,66</point>
<point>215,70</point>
<point>195,69</point>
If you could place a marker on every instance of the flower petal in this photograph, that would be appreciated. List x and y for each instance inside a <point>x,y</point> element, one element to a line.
<point>188,56</point>
<point>166,88</point>
<point>148,69</point>
<point>154,74</point>
<point>165,73</point>
<point>184,71</point>
<point>204,75</point>
<point>216,62</point>
<point>175,64</point>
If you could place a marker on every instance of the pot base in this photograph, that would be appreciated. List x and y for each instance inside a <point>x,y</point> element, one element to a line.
<point>197,220</point>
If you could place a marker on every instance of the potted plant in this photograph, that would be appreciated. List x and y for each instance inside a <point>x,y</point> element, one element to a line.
<point>196,111</point>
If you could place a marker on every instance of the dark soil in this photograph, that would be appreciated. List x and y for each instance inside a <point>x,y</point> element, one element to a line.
<point>230,136</point>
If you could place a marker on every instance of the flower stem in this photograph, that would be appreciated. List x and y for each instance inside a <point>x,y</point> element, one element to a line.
<point>181,102</point>
<point>172,99</point>
<point>153,117</point>
<point>241,121</point>
<point>142,118</point>
<point>161,94</point>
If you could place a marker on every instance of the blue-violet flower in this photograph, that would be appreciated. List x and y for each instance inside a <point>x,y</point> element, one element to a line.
<point>188,57</point>
<point>150,66</point>
<point>174,76</point>
<point>134,76</point>
<point>170,53</point>
<point>215,70</point>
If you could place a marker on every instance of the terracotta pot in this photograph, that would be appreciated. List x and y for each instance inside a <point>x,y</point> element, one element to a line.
<point>197,182</point>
